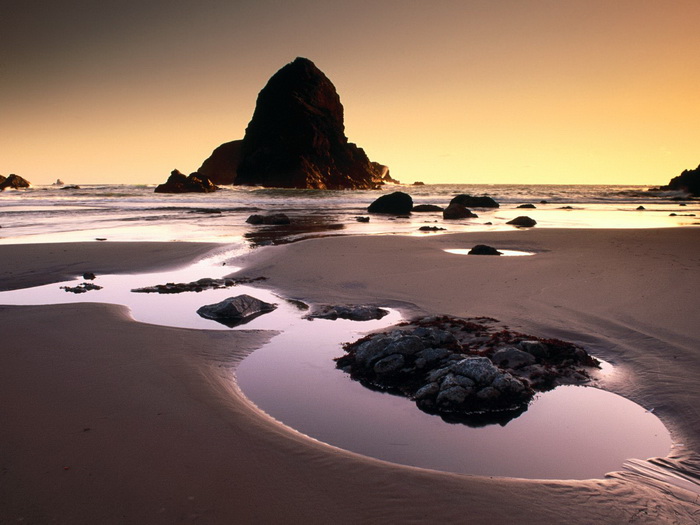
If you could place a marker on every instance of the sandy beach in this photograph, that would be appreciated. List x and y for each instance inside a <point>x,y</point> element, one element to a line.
<point>106,420</point>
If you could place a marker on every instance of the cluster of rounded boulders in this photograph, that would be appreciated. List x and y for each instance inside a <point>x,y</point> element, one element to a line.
<point>452,366</point>
<point>14,182</point>
<point>180,183</point>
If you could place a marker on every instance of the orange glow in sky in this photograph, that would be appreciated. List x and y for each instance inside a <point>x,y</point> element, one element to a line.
<point>471,91</point>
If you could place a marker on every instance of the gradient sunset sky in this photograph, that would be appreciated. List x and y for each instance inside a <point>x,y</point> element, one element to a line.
<point>471,91</point>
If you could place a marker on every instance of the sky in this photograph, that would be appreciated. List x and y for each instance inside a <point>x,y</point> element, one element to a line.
<point>470,91</point>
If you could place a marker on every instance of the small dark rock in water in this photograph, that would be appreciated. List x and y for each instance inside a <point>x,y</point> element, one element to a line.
<point>465,370</point>
<point>89,276</point>
<point>482,249</point>
<point>640,208</point>
<point>458,211</point>
<point>362,219</point>
<point>529,206</point>
<point>566,208</point>
<point>396,203</point>
<point>275,218</point>
<point>81,288</point>
<point>430,229</point>
<point>475,202</point>
<point>236,310</point>
<point>544,202</point>
<point>422,208</point>
<point>419,183</point>
<point>523,221</point>
<point>351,312</point>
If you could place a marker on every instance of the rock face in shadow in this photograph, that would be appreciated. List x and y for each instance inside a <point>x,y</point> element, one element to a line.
<point>296,138</point>
<point>13,181</point>
<point>222,165</point>
<point>180,183</point>
<point>688,181</point>
<point>457,211</point>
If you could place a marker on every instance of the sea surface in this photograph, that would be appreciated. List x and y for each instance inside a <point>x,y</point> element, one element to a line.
<point>136,213</point>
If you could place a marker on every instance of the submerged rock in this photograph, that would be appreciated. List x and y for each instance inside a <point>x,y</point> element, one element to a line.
<point>462,370</point>
<point>425,208</point>
<point>236,310</point>
<point>271,219</point>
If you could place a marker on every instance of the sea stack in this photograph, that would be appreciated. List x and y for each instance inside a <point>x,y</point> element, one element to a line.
<point>296,139</point>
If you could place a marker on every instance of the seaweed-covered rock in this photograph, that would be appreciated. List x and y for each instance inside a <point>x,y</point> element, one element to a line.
<point>464,370</point>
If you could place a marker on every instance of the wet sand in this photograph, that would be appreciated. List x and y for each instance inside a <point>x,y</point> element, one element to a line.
<point>105,420</point>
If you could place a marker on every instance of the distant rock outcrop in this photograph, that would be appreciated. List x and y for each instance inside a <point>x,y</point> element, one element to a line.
<point>180,183</point>
<point>688,181</point>
<point>13,181</point>
<point>296,139</point>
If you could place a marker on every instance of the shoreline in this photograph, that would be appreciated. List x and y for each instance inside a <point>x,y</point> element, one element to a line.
<point>137,386</point>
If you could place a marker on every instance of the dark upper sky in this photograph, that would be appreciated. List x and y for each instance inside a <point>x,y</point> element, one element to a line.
<point>460,91</point>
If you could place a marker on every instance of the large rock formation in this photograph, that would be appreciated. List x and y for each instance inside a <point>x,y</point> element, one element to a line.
<point>296,139</point>
<point>688,181</point>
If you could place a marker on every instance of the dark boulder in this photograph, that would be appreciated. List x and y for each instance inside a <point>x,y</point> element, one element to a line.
<point>457,211</point>
<point>688,181</point>
<point>13,181</point>
<point>523,221</point>
<point>422,208</point>
<point>221,167</point>
<point>272,219</point>
<point>396,203</point>
<point>236,310</point>
<point>474,202</point>
<point>482,249</point>
<point>296,137</point>
<point>179,183</point>
<point>430,229</point>
<point>528,206</point>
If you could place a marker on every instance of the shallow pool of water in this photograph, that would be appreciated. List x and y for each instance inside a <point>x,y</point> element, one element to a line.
<point>569,433</point>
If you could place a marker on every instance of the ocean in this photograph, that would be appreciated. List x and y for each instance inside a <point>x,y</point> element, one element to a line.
<point>135,213</point>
